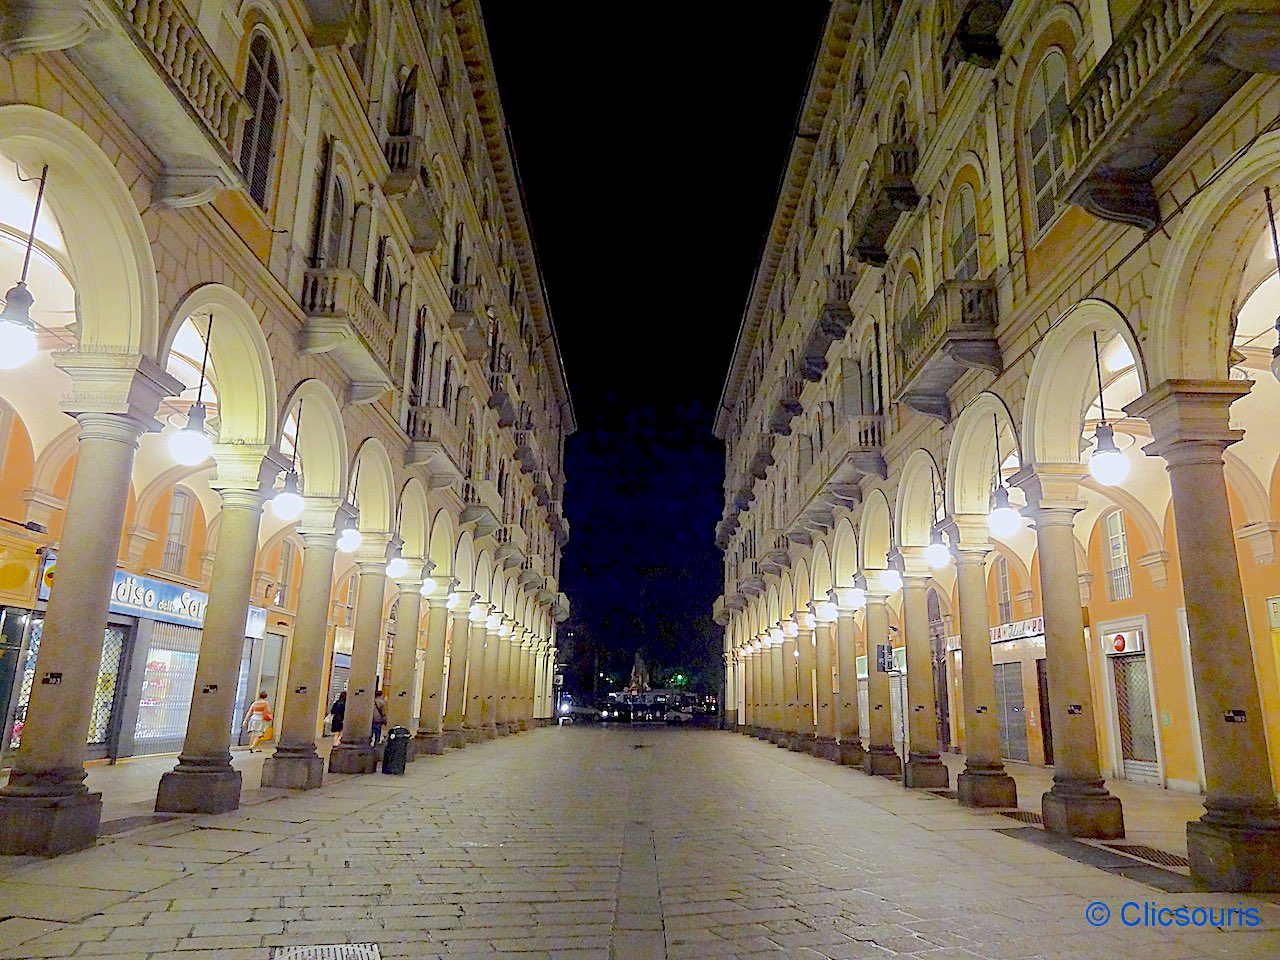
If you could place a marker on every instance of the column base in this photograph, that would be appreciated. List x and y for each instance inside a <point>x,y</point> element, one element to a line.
<point>799,742</point>
<point>490,732</point>
<point>986,788</point>
<point>882,761</point>
<point>522,725</point>
<point>353,758</point>
<point>428,744</point>
<point>850,753</point>
<point>1082,809</point>
<point>825,748</point>
<point>731,719</point>
<point>455,739</point>
<point>473,734</point>
<point>48,826</point>
<point>209,790</point>
<point>289,770</point>
<point>779,738</point>
<point>1235,857</point>
<point>926,772</point>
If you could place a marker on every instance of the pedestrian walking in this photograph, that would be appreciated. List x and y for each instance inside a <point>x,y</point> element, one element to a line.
<point>258,721</point>
<point>339,714</point>
<point>379,715</point>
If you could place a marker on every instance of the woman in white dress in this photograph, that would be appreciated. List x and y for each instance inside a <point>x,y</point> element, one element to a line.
<point>258,720</point>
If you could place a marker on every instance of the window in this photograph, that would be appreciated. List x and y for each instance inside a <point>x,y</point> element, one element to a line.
<point>284,576</point>
<point>177,532</point>
<point>1046,111</point>
<point>1119,582</point>
<point>962,233</point>
<point>344,602</point>
<point>335,247</point>
<point>1004,595</point>
<point>262,91</point>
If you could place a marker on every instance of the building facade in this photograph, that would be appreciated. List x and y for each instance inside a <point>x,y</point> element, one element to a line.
<point>1001,463</point>
<point>288,414</point>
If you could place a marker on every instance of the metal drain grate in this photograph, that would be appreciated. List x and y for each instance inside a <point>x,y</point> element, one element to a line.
<point>334,951</point>
<point>1150,854</point>
<point>1026,816</point>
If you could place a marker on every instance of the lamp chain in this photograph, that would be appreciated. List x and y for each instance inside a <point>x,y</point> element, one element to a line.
<point>35,216</point>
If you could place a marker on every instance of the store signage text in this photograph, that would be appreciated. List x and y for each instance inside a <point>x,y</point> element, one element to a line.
<point>1018,629</point>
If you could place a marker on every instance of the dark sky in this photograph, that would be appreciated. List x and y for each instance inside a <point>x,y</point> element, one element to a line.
<point>651,148</point>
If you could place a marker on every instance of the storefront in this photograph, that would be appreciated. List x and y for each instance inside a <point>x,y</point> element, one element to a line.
<point>146,675</point>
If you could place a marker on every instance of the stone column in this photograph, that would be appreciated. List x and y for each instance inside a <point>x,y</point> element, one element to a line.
<point>536,682</point>
<point>824,643</point>
<point>790,726</point>
<point>1078,804</point>
<point>355,753</point>
<point>806,730</point>
<point>552,705</point>
<point>295,765</point>
<point>882,759</point>
<point>778,714</point>
<point>455,734</point>
<point>983,782</point>
<point>473,719</point>
<point>1236,844</point>
<point>848,735</point>
<point>924,766</point>
<point>429,738</point>
<point>404,653</point>
<point>45,809</point>
<point>489,706</point>
<point>525,719</point>
<point>504,690</point>
<point>744,666</point>
<point>204,781</point>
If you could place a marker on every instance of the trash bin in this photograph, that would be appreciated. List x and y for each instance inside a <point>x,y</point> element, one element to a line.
<point>395,753</point>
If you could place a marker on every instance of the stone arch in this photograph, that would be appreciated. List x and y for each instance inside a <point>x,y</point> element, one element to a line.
<point>106,241</point>
<point>803,584</point>
<point>1244,483</point>
<point>1189,336</point>
<point>413,519</point>
<point>374,494</point>
<point>971,466</point>
<point>464,562</point>
<point>483,583</point>
<point>322,442</point>
<point>149,496</point>
<point>242,372</point>
<point>821,572</point>
<point>919,490</point>
<point>844,554</point>
<point>875,532</point>
<point>1063,379</point>
<point>441,547</point>
<point>1134,509</point>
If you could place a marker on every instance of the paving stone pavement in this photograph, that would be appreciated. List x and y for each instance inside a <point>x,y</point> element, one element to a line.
<point>593,843</point>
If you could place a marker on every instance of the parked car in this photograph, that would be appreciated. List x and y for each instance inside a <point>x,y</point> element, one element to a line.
<point>678,716</point>
<point>615,713</point>
<point>579,713</point>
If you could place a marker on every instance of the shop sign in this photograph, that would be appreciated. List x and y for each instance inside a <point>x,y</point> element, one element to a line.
<point>136,596</point>
<point>1116,642</point>
<point>953,643</point>
<point>1017,630</point>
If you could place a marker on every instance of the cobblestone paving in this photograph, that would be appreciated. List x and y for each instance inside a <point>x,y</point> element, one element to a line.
<point>596,844</point>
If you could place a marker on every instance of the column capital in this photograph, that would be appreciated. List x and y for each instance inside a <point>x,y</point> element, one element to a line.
<point>969,535</point>
<point>877,595</point>
<point>319,516</point>
<point>411,580</point>
<point>128,385</point>
<point>914,566</point>
<point>373,548</point>
<point>1052,490</point>
<point>1189,419</point>
<point>243,468</point>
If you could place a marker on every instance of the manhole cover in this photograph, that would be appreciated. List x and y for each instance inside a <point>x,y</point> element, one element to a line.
<point>1026,816</point>
<point>1150,854</point>
<point>335,951</point>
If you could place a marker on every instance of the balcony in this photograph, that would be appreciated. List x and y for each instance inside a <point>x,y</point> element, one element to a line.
<point>831,327</point>
<point>860,439</point>
<point>888,192</point>
<point>330,21</point>
<point>562,609</point>
<point>503,397</point>
<point>436,443</point>
<point>787,408</point>
<point>513,546</point>
<point>752,585</point>
<point>531,579</point>
<point>406,156</point>
<point>481,506</point>
<point>778,557</point>
<point>718,613</point>
<point>761,458</point>
<point>150,59</point>
<point>344,319</point>
<point>974,38</point>
<point>466,323</point>
<point>1170,70</point>
<point>527,452</point>
<point>409,181</point>
<point>955,332</point>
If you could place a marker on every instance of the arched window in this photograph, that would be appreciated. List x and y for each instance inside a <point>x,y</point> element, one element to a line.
<point>406,104</point>
<point>962,234</point>
<point>455,271</point>
<point>262,91</point>
<point>177,532</point>
<point>1116,560</point>
<point>337,230</point>
<point>1046,144</point>
<point>900,128</point>
<point>418,369</point>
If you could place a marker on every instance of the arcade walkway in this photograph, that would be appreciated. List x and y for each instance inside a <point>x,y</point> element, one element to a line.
<point>604,844</point>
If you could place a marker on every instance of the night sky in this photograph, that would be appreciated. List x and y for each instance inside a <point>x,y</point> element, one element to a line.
<point>651,148</point>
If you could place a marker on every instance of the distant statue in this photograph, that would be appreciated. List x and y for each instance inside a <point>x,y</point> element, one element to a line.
<point>639,675</point>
